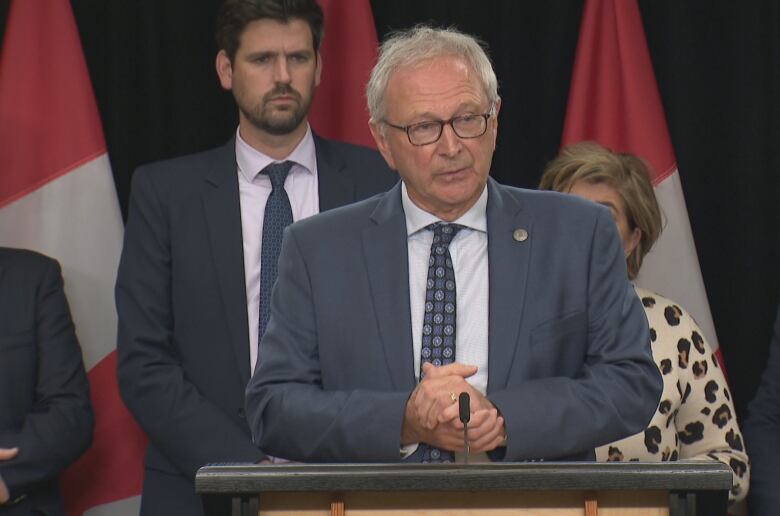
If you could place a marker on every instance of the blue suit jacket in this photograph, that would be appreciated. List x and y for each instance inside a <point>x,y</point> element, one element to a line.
<point>181,299</point>
<point>762,436</point>
<point>569,362</point>
<point>44,394</point>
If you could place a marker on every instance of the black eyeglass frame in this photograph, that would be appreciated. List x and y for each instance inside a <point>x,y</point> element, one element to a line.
<point>442,123</point>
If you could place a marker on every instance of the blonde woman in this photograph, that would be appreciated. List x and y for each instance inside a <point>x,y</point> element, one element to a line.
<point>695,418</point>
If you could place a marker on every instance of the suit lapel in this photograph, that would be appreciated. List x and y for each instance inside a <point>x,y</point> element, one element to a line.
<point>508,268</point>
<point>223,218</point>
<point>387,265</point>
<point>336,187</point>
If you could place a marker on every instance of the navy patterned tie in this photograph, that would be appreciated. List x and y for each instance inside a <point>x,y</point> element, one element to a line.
<point>438,334</point>
<point>278,215</point>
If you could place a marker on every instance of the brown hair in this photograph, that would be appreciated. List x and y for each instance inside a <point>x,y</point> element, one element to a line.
<point>626,173</point>
<point>235,15</point>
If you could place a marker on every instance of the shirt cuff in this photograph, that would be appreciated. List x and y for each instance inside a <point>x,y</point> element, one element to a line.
<point>408,450</point>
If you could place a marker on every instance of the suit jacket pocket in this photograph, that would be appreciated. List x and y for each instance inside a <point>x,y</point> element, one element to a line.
<point>559,346</point>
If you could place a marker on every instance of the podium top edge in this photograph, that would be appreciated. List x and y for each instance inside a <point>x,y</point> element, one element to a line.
<point>677,476</point>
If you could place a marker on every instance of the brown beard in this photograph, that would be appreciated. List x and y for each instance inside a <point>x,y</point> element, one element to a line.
<point>277,123</point>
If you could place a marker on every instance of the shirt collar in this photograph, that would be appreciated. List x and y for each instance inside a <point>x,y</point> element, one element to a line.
<point>417,218</point>
<point>251,161</point>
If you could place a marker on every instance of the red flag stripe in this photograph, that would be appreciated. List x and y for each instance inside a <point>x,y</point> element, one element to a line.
<point>41,64</point>
<point>614,98</point>
<point>111,469</point>
<point>349,52</point>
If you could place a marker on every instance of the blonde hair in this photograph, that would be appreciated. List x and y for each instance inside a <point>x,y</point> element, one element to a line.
<point>626,173</point>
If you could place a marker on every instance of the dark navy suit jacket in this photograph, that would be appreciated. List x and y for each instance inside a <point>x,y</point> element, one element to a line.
<point>181,299</point>
<point>762,436</point>
<point>569,363</point>
<point>44,394</point>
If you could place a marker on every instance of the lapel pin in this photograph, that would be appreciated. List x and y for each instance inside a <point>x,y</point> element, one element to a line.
<point>520,235</point>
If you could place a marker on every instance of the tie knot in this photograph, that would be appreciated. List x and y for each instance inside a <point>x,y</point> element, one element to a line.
<point>443,233</point>
<point>277,172</point>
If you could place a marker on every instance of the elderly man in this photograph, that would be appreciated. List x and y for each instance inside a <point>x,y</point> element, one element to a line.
<point>385,311</point>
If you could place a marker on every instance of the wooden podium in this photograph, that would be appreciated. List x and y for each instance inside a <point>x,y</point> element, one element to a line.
<point>495,489</point>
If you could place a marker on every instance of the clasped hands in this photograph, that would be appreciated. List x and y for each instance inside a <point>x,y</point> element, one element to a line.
<point>431,414</point>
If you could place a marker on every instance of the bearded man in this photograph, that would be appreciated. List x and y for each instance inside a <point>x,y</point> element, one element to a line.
<point>202,243</point>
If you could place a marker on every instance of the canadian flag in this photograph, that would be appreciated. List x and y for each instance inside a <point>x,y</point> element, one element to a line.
<point>349,52</point>
<point>614,100</point>
<point>57,196</point>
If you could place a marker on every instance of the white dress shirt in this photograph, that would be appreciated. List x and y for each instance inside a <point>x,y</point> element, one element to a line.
<point>254,189</point>
<point>469,254</point>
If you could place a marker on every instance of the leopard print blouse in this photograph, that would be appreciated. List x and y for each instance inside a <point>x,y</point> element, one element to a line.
<point>695,418</point>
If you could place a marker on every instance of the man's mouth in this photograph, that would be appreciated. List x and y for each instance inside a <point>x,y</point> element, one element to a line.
<point>282,98</point>
<point>452,172</point>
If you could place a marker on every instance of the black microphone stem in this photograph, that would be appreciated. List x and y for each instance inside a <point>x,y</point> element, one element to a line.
<point>464,412</point>
<point>466,442</point>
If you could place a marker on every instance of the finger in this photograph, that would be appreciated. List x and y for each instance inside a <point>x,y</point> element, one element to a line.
<point>433,400</point>
<point>481,423</point>
<point>432,404</point>
<point>451,414</point>
<point>431,415</point>
<point>454,369</point>
<point>491,437</point>
<point>426,400</point>
<point>8,453</point>
<point>420,403</point>
<point>446,439</point>
<point>495,443</point>
<point>478,418</point>
<point>445,403</point>
<point>484,422</point>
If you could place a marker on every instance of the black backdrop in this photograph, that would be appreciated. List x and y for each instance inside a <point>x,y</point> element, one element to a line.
<point>717,64</point>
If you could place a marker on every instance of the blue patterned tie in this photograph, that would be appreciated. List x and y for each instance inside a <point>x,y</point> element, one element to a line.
<point>278,215</point>
<point>438,335</point>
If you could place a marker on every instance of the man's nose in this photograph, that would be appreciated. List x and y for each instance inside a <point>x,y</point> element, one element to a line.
<point>449,142</point>
<point>281,70</point>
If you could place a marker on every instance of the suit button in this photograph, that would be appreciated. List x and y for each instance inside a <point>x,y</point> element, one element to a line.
<point>241,414</point>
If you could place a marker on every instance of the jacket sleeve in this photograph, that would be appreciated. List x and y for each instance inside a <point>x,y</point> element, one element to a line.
<point>58,429</point>
<point>187,428</point>
<point>290,413</point>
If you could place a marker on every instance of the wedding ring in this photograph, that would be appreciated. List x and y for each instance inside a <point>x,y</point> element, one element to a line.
<point>453,397</point>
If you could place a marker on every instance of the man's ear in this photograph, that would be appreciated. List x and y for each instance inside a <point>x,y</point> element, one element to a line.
<point>224,70</point>
<point>494,121</point>
<point>378,132</point>
<point>318,71</point>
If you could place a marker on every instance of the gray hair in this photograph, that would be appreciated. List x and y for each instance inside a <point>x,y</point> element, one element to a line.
<point>421,43</point>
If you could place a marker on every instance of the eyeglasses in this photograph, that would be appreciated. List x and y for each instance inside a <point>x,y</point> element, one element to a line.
<point>425,133</point>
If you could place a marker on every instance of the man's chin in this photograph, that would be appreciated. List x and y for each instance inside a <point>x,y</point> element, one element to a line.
<point>280,126</point>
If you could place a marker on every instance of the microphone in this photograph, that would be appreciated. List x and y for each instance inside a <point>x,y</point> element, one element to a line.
<point>464,412</point>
